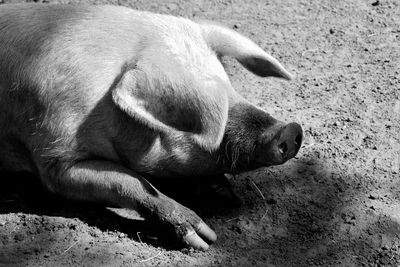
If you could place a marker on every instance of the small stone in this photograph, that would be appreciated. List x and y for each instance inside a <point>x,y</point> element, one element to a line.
<point>376,3</point>
<point>331,31</point>
<point>236,26</point>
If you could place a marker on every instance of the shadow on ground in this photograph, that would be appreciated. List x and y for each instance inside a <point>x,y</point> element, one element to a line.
<point>22,193</point>
<point>301,213</point>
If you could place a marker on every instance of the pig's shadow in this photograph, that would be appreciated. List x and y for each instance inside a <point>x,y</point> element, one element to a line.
<point>22,192</point>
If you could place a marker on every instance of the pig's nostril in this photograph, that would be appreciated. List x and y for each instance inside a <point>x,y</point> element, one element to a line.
<point>283,148</point>
<point>285,143</point>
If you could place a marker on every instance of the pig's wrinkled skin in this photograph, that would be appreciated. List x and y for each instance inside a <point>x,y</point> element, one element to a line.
<point>94,99</point>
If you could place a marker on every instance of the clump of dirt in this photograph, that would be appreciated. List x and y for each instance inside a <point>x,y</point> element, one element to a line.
<point>336,203</point>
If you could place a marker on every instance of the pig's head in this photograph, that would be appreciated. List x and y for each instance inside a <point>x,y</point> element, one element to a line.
<point>187,118</point>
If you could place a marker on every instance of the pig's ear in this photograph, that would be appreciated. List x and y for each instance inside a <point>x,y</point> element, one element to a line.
<point>226,42</point>
<point>200,113</point>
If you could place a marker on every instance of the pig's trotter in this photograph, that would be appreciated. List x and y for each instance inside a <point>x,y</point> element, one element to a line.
<point>186,225</point>
<point>110,183</point>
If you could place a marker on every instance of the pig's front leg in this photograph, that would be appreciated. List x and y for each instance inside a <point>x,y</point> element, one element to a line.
<point>110,183</point>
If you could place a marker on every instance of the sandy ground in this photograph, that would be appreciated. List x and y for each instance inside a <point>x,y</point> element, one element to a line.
<point>336,204</point>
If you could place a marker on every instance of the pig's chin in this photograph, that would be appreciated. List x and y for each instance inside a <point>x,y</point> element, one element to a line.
<point>245,166</point>
<point>238,159</point>
<point>240,165</point>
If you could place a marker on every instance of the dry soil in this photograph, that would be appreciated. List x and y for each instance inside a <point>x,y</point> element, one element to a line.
<point>336,204</point>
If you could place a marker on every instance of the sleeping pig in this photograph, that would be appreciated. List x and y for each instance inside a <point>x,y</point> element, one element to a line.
<point>94,100</point>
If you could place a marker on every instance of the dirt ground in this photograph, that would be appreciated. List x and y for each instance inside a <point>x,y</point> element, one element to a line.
<point>336,204</point>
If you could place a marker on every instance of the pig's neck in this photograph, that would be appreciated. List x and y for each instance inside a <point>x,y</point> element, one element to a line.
<point>172,155</point>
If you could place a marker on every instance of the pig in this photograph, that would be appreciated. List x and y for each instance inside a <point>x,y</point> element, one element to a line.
<point>97,100</point>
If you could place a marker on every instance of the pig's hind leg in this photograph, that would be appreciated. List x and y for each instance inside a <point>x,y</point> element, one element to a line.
<point>110,183</point>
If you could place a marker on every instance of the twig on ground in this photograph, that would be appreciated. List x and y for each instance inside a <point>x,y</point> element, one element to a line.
<point>308,146</point>
<point>232,219</point>
<point>138,235</point>
<point>258,189</point>
<point>73,244</point>
<point>265,214</point>
<point>151,257</point>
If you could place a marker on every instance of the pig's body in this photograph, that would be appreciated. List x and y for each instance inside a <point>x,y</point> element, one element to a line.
<point>57,107</point>
<point>93,99</point>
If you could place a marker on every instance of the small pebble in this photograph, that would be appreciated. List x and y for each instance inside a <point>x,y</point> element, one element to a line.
<point>376,3</point>
<point>372,197</point>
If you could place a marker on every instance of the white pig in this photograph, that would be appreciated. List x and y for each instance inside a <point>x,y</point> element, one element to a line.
<point>95,99</point>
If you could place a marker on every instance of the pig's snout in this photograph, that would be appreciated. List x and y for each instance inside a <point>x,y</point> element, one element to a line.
<point>289,140</point>
<point>283,145</point>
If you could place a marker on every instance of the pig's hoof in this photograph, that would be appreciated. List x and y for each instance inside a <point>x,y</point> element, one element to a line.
<point>195,238</point>
<point>186,225</point>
